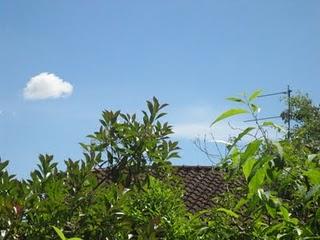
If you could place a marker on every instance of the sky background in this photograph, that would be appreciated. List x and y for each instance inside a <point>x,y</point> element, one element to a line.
<point>117,54</point>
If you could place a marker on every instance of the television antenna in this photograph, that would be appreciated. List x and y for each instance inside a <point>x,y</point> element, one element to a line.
<point>288,93</point>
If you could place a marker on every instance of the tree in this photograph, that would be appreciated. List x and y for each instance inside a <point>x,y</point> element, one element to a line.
<point>280,193</point>
<point>306,118</point>
<point>79,203</point>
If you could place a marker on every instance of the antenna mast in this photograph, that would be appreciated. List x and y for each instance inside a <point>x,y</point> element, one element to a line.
<point>288,93</point>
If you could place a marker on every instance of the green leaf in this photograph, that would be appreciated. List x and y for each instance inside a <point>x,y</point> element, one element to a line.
<point>235,99</point>
<point>311,157</point>
<point>3,165</point>
<point>314,175</point>
<point>271,210</point>
<point>247,167</point>
<point>314,191</point>
<point>235,157</point>
<point>60,233</point>
<point>279,148</point>
<point>229,113</point>
<point>255,108</point>
<point>263,195</point>
<point>240,203</point>
<point>267,124</point>
<point>284,213</point>
<point>150,107</point>
<point>240,136</point>
<point>273,125</point>
<point>84,146</point>
<point>228,212</point>
<point>161,115</point>
<point>286,216</point>
<point>257,180</point>
<point>254,95</point>
<point>251,150</point>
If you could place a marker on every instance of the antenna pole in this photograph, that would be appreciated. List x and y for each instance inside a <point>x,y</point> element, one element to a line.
<point>289,111</point>
<point>288,93</point>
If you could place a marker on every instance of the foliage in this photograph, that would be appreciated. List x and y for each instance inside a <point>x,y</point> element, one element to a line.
<point>61,235</point>
<point>306,117</point>
<point>76,201</point>
<point>277,195</point>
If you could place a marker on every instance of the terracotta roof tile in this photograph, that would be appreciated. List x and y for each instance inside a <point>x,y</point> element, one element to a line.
<point>201,184</point>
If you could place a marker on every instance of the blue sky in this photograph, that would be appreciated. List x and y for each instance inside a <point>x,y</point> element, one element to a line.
<point>117,54</point>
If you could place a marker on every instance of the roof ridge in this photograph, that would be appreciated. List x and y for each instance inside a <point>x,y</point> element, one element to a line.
<point>196,166</point>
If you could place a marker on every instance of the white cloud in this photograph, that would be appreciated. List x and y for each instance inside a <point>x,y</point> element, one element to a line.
<point>221,132</point>
<point>46,85</point>
<point>191,130</point>
<point>194,122</point>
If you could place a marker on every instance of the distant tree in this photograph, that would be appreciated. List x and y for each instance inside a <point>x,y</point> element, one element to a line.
<point>305,116</point>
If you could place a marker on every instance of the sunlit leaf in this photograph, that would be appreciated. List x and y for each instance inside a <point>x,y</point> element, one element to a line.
<point>257,180</point>
<point>251,149</point>
<point>229,113</point>
<point>273,125</point>
<point>314,175</point>
<point>228,212</point>
<point>60,233</point>
<point>240,203</point>
<point>311,157</point>
<point>254,95</point>
<point>247,167</point>
<point>271,210</point>
<point>235,99</point>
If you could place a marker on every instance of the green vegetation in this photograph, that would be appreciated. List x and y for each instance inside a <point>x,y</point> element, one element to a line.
<point>306,117</point>
<point>279,196</point>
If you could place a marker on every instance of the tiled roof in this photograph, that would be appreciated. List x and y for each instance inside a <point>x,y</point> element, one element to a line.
<point>201,184</point>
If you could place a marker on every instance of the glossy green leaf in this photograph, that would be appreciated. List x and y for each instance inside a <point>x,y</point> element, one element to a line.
<point>60,233</point>
<point>314,175</point>
<point>247,167</point>
<point>251,150</point>
<point>254,95</point>
<point>257,180</point>
<point>284,213</point>
<point>229,113</point>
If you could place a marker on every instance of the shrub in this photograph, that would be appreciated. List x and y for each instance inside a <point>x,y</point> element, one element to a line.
<point>279,196</point>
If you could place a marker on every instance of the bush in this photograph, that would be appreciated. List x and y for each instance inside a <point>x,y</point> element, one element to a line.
<point>278,197</point>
